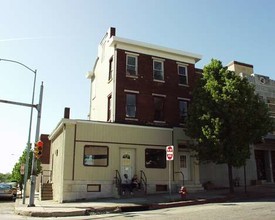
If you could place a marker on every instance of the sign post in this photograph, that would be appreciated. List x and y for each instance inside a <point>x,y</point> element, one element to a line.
<point>169,158</point>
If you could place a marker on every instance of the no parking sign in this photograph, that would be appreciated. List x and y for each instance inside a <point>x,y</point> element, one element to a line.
<point>170,152</point>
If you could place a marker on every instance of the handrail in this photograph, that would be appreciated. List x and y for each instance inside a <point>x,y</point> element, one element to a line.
<point>118,179</point>
<point>182,176</point>
<point>143,179</point>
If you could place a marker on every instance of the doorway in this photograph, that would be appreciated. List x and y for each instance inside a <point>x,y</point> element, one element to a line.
<point>127,162</point>
<point>184,164</point>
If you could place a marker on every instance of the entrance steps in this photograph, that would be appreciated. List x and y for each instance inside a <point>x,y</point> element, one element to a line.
<point>46,191</point>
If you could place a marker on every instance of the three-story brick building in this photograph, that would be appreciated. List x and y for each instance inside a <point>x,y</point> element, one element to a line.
<point>138,106</point>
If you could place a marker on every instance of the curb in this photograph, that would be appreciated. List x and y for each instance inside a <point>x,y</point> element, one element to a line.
<point>188,203</point>
<point>52,213</point>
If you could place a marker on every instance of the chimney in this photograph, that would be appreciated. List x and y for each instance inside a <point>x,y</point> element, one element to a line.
<point>112,32</point>
<point>67,113</point>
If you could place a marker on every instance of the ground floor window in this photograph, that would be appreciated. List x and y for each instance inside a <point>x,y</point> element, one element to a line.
<point>155,158</point>
<point>96,156</point>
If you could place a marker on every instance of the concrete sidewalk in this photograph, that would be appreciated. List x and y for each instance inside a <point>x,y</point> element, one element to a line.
<point>50,208</point>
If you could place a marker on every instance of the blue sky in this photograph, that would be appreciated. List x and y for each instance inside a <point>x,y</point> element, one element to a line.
<point>59,39</point>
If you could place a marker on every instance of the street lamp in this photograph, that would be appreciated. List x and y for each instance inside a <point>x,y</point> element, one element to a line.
<point>26,169</point>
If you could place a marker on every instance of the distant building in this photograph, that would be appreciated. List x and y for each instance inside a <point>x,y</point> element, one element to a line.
<point>260,167</point>
<point>265,151</point>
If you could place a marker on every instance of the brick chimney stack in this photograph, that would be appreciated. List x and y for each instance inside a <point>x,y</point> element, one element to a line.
<point>112,32</point>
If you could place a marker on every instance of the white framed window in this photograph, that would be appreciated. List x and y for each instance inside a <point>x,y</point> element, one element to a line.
<point>131,105</point>
<point>131,65</point>
<point>109,104</point>
<point>159,108</point>
<point>183,75</point>
<point>183,109</point>
<point>158,70</point>
<point>111,68</point>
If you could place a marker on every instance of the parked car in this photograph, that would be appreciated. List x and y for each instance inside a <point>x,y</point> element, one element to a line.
<point>14,188</point>
<point>7,191</point>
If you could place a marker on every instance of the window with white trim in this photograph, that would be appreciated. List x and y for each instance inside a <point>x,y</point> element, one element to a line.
<point>111,68</point>
<point>158,70</point>
<point>109,112</point>
<point>158,108</point>
<point>183,77</point>
<point>183,108</point>
<point>131,65</point>
<point>131,105</point>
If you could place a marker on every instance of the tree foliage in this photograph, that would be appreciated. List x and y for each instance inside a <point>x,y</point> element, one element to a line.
<point>225,116</point>
<point>5,177</point>
<point>16,175</point>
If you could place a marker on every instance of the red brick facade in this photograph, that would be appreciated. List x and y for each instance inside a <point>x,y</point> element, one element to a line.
<point>146,87</point>
<point>45,158</point>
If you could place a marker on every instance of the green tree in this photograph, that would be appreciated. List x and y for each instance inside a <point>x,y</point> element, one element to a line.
<point>5,177</point>
<point>225,117</point>
<point>16,175</point>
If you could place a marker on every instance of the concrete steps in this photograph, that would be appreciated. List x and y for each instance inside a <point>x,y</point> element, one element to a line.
<point>46,191</point>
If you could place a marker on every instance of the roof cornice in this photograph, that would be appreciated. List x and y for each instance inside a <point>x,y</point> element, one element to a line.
<point>118,40</point>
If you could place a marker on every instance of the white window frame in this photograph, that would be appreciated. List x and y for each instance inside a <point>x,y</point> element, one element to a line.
<point>187,103</point>
<point>183,75</point>
<point>135,66</point>
<point>135,110</point>
<point>163,113</point>
<point>161,71</point>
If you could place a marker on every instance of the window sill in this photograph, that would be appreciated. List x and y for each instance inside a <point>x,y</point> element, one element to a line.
<point>160,122</point>
<point>184,85</point>
<point>132,76</point>
<point>158,80</point>
<point>131,119</point>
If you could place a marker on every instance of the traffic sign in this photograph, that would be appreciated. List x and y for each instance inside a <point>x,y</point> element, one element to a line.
<point>170,152</point>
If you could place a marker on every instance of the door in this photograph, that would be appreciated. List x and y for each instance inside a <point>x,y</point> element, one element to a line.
<point>184,160</point>
<point>127,162</point>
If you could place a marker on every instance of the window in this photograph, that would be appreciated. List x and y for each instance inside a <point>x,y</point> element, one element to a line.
<point>158,70</point>
<point>183,161</point>
<point>111,68</point>
<point>182,71</point>
<point>131,65</point>
<point>95,156</point>
<point>158,108</point>
<point>131,105</point>
<point>155,158</point>
<point>109,113</point>
<point>183,107</point>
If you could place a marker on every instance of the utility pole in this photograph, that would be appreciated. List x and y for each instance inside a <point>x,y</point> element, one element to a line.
<point>34,160</point>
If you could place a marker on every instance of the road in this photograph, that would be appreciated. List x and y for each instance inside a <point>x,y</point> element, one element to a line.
<point>264,210</point>
<point>244,210</point>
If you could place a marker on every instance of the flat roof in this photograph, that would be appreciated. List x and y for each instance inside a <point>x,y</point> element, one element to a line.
<point>115,39</point>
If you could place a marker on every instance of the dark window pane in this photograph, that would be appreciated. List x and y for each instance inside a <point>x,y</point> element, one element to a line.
<point>155,158</point>
<point>159,106</point>
<point>183,107</point>
<point>130,105</point>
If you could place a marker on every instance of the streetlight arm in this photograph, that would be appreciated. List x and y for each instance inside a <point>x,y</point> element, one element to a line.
<point>13,61</point>
<point>30,126</point>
